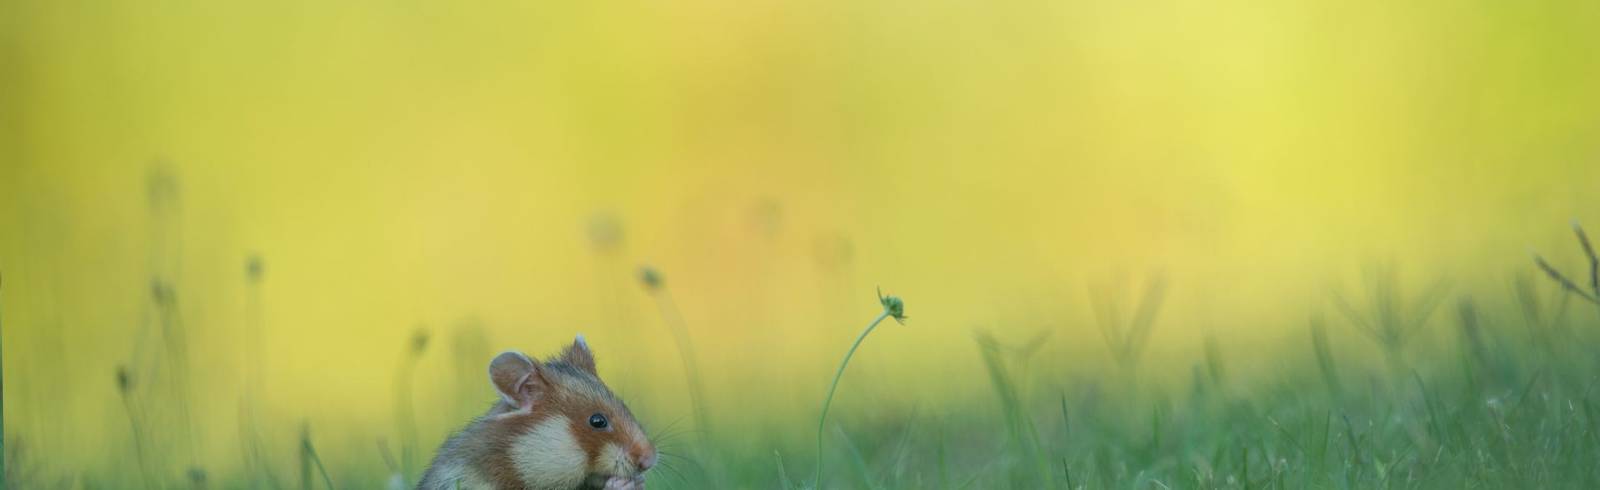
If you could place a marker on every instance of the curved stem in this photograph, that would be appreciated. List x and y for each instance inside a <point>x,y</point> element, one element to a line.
<point>680,334</point>
<point>405,415</point>
<point>2,417</point>
<point>828,402</point>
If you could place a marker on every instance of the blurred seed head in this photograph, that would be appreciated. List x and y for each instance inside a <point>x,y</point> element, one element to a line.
<point>197,477</point>
<point>254,268</point>
<point>161,189</point>
<point>124,380</point>
<point>833,251</point>
<point>893,305</point>
<point>766,218</point>
<point>160,292</point>
<point>650,277</point>
<point>605,233</point>
<point>419,341</point>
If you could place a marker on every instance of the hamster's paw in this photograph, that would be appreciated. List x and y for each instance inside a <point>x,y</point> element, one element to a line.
<point>622,483</point>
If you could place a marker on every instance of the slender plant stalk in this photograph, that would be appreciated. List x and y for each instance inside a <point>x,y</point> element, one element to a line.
<point>405,416</point>
<point>673,318</point>
<point>1532,308</point>
<point>125,390</point>
<point>254,450</point>
<point>1562,280</point>
<point>1325,362</point>
<point>176,338</point>
<point>828,402</point>
<point>783,476</point>
<point>1472,334</point>
<point>1594,260</point>
<point>1019,425</point>
<point>1214,362</point>
<point>1593,295</point>
<point>2,409</point>
<point>680,335</point>
<point>894,307</point>
<point>389,461</point>
<point>305,457</point>
<point>170,386</point>
<point>309,458</point>
<point>1392,321</point>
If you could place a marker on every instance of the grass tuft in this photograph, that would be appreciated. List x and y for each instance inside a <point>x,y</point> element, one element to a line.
<point>1391,320</point>
<point>1593,294</point>
<point>1126,338</point>
<point>1325,361</point>
<point>1020,429</point>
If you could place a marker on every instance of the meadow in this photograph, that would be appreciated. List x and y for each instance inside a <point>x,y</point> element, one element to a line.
<point>835,243</point>
<point>1396,386</point>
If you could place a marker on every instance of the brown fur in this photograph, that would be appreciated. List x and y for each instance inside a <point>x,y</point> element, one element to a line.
<point>568,387</point>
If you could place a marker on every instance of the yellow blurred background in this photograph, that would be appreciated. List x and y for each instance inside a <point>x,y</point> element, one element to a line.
<point>404,165</point>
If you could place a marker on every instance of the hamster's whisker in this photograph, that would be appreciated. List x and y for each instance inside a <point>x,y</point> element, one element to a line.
<point>672,455</point>
<point>673,472</point>
<point>676,460</point>
<point>575,393</point>
<point>669,439</point>
<point>668,429</point>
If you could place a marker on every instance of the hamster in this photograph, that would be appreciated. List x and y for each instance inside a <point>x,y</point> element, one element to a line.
<point>555,427</point>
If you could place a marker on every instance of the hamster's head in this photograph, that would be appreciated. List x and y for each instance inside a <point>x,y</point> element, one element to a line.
<point>567,429</point>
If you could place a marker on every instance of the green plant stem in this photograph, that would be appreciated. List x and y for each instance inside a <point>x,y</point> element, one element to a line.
<point>405,417</point>
<point>2,413</point>
<point>828,402</point>
<point>138,440</point>
<point>680,334</point>
<point>309,458</point>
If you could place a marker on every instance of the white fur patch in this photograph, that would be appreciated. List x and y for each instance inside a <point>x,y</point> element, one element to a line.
<point>548,457</point>
<point>613,460</point>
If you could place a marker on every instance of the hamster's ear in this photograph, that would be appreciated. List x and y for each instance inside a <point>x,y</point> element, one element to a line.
<point>579,356</point>
<point>517,379</point>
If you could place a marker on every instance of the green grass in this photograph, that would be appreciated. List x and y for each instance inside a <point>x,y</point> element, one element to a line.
<point>1506,394</point>
<point>309,459</point>
<point>1494,409</point>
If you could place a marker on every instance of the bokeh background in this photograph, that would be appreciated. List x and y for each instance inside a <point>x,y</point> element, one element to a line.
<point>285,194</point>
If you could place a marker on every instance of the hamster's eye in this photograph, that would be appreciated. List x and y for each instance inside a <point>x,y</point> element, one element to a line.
<point>598,421</point>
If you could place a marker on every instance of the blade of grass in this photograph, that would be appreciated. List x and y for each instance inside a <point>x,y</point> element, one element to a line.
<point>1565,283</point>
<point>1594,260</point>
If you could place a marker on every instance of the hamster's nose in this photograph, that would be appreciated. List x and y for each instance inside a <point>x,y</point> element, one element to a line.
<point>644,457</point>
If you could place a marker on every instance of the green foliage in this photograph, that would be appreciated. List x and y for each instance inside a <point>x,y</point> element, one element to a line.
<point>1126,337</point>
<point>1494,408</point>
<point>1391,319</point>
